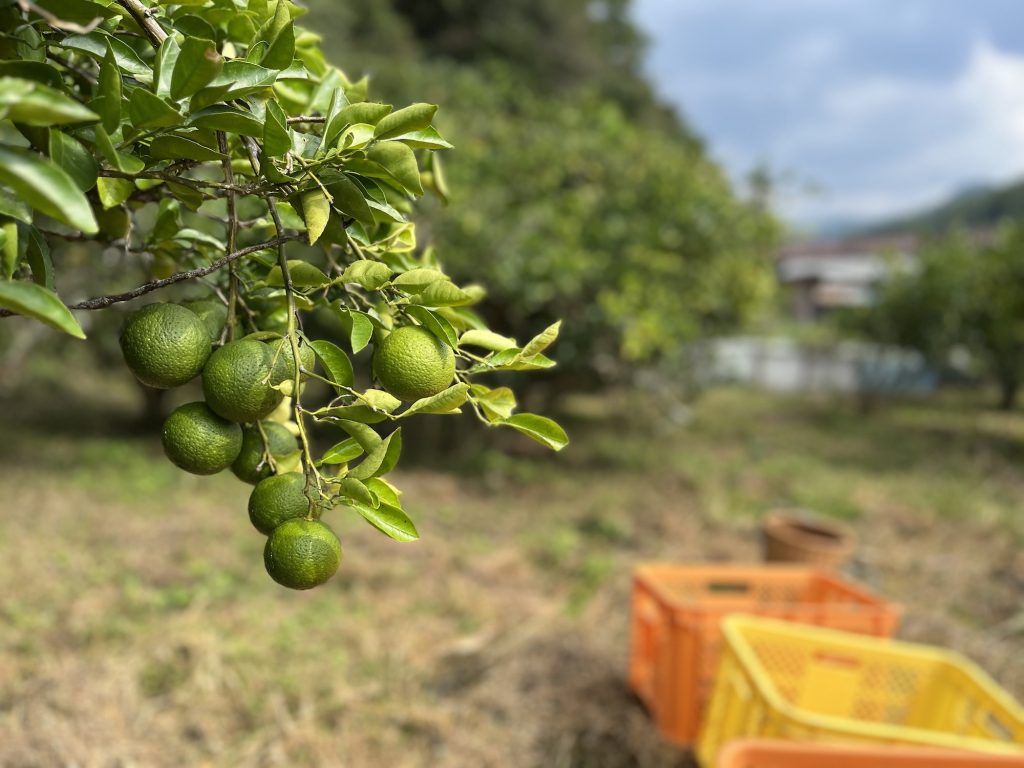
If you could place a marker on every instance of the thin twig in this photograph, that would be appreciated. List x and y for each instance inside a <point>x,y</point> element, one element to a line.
<point>307,119</point>
<point>229,179</point>
<point>100,302</point>
<point>144,18</point>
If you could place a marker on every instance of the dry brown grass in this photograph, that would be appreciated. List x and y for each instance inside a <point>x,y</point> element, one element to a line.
<point>137,627</point>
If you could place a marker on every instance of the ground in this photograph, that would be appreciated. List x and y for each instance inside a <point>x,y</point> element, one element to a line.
<point>139,629</point>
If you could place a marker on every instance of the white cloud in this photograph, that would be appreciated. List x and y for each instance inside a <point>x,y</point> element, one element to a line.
<point>912,141</point>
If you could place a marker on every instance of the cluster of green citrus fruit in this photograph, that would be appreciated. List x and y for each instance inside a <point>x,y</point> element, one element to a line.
<point>243,421</point>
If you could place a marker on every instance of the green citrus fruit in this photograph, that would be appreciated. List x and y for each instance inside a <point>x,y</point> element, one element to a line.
<point>301,553</point>
<point>212,312</point>
<point>412,363</point>
<point>276,499</point>
<point>251,465</point>
<point>284,359</point>
<point>236,381</point>
<point>165,345</point>
<point>200,441</point>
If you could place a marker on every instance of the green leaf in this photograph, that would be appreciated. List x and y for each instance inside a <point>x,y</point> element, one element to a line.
<point>428,138</point>
<point>362,330</point>
<point>95,45</point>
<point>197,64</point>
<point>384,491</point>
<point>171,146</point>
<point>220,117</point>
<point>81,12</point>
<point>351,488</point>
<point>163,70</point>
<point>542,340</point>
<point>380,400</point>
<point>336,364</point>
<point>108,92</point>
<point>487,340</point>
<point>282,48</point>
<point>38,255</point>
<point>76,161</point>
<point>539,428</point>
<point>348,198</point>
<point>41,303</point>
<point>443,402</point>
<point>13,207</point>
<point>400,161</point>
<point>434,323</point>
<point>32,103</point>
<point>413,118</point>
<point>343,452</point>
<point>416,280</point>
<point>497,404</point>
<point>443,294</point>
<point>370,274</point>
<point>369,112</point>
<point>389,520</point>
<point>362,414</point>
<point>113,192</point>
<point>44,186</point>
<point>316,211</point>
<point>9,244</point>
<point>32,70</point>
<point>367,438</point>
<point>375,459</point>
<point>122,161</point>
<point>277,140</point>
<point>303,274</point>
<point>147,110</point>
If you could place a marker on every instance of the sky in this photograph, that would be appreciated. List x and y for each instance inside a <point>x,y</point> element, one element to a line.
<point>863,108</point>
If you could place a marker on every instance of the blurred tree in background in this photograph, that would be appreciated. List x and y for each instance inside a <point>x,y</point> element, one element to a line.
<point>574,192</point>
<point>962,295</point>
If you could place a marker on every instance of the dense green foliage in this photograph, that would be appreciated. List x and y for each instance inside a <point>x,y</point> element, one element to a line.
<point>211,139</point>
<point>962,295</point>
<point>574,192</point>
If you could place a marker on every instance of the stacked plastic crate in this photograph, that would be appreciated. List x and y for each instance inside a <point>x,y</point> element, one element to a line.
<point>815,667</point>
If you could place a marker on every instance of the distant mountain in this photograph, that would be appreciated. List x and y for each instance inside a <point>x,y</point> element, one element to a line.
<point>978,207</point>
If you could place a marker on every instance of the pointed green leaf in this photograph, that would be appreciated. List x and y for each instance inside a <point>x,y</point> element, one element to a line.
<point>32,103</point>
<point>497,404</point>
<point>171,146</point>
<point>434,323</point>
<point>277,140</point>
<point>113,192</point>
<point>370,274</point>
<point>380,400</point>
<point>487,340</point>
<point>348,198</point>
<point>443,402</point>
<point>416,280</point>
<point>542,340</point>
<point>76,161</point>
<point>108,92</point>
<point>351,488</point>
<point>367,438</point>
<point>197,64</point>
<point>9,246</point>
<point>221,117</point>
<point>41,303</point>
<point>443,294</point>
<point>343,452</point>
<point>44,186</point>
<point>95,44</point>
<point>361,331</point>
<point>539,428</point>
<point>163,70</point>
<point>303,275</point>
<point>413,118</point>
<point>389,520</point>
<point>38,255</point>
<point>400,161</point>
<point>335,363</point>
<point>375,459</point>
<point>147,110</point>
<point>316,211</point>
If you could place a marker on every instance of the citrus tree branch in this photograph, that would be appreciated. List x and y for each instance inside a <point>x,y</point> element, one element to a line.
<point>100,302</point>
<point>144,18</point>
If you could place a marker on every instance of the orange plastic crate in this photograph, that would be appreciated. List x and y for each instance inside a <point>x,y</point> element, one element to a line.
<point>781,754</point>
<point>675,627</point>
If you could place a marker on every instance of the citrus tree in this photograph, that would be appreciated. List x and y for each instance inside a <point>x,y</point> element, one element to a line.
<point>211,141</point>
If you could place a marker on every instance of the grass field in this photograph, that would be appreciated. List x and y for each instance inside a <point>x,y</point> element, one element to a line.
<point>138,628</point>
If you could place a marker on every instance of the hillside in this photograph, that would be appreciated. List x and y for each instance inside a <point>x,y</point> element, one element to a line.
<point>976,209</point>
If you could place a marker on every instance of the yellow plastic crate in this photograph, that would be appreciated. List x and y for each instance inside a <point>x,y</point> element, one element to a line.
<point>799,683</point>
